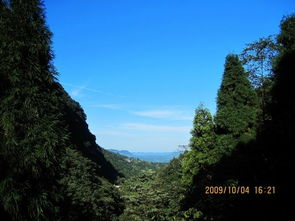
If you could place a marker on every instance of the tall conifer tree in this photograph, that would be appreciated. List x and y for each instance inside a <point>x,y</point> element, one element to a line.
<point>203,135</point>
<point>236,101</point>
<point>202,143</point>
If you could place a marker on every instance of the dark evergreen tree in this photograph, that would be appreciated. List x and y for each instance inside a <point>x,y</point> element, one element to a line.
<point>203,134</point>
<point>234,123</point>
<point>236,100</point>
<point>202,144</point>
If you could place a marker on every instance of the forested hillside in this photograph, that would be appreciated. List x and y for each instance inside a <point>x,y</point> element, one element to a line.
<point>128,166</point>
<point>51,167</point>
<point>238,165</point>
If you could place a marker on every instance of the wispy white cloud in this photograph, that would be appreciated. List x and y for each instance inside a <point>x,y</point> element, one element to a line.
<point>152,127</point>
<point>112,133</point>
<point>164,114</point>
<point>77,92</point>
<point>156,113</point>
<point>81,88</point>
<point>108,106</point>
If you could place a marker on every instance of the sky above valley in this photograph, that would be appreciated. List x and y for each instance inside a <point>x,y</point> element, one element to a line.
<point>140,68</point>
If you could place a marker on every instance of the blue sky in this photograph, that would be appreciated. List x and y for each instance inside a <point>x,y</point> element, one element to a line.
<point>139,68</point>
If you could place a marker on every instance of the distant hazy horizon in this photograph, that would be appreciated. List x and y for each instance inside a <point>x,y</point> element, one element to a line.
<point>142,151</point>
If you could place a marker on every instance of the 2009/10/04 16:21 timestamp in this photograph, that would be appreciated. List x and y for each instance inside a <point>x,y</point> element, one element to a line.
<point>259,190</point>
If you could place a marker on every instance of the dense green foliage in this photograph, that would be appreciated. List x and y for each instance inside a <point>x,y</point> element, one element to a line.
<point>154,196</point>
<point>144,199</point>
<point>47,171</point>
<point>32,132</point>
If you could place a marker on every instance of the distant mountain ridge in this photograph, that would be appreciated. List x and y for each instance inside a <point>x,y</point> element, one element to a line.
<point>161,157</point>
<point>122,152</point>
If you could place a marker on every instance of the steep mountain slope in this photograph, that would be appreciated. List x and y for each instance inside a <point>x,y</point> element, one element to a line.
<point>84,139</point>
<point>50,166</point>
